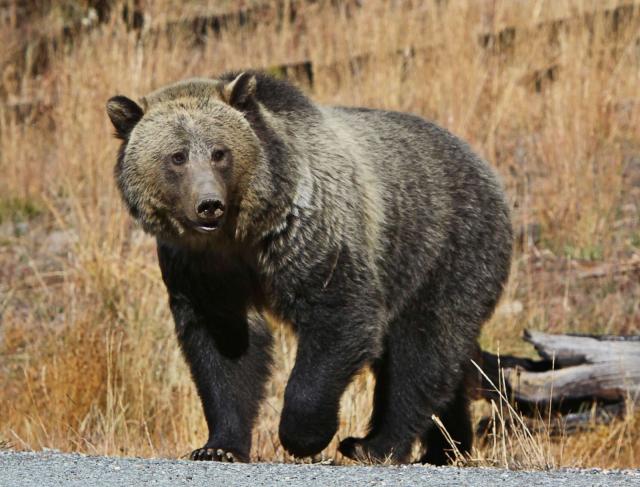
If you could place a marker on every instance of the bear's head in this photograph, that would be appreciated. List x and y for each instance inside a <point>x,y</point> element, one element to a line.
<point>187,153</point>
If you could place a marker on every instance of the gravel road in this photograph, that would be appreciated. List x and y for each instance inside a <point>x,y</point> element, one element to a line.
<point>55,469</point>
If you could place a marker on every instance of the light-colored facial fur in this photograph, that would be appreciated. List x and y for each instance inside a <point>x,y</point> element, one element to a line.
<point>193,117</point>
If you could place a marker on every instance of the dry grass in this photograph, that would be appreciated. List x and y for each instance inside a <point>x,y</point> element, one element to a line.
<point>87,357</point>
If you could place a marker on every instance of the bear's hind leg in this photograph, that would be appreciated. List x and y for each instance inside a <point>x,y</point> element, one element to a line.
<point>457,421</point>
<point>416,377</point>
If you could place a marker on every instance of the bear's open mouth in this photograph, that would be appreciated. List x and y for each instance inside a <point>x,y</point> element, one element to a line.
<point>202,227</point>
<point>209,227</point>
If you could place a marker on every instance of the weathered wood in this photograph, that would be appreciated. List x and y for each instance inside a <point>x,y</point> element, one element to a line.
<point>569,350</point>
<point>575,371</point>
<point>604,381</point>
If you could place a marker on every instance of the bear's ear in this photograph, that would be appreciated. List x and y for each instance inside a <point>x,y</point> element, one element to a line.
<point>124,114</point>
<point>237,92</point>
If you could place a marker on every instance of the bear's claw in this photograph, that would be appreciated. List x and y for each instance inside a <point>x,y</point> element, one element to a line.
<point>214,454</point>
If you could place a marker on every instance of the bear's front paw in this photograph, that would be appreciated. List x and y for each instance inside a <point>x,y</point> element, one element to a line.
<point>306,435</point>
<point>217,455</point>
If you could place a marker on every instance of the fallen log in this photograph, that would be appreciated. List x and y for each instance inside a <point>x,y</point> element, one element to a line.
<point>574,373</point>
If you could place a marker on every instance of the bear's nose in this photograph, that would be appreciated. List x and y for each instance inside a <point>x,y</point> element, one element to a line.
<point>210,209</point>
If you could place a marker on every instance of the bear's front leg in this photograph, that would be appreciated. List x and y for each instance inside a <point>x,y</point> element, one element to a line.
<point>334,343</point>
<point>226,344</point>
<point>229,370</point>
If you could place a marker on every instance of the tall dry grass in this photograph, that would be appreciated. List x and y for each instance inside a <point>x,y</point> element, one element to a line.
<point>88,361</point>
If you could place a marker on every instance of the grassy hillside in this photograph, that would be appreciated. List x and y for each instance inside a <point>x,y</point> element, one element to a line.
<point>547,91</point>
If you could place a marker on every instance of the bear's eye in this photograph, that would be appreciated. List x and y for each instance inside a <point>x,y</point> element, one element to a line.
<point>217,155</point>
<point>179,158</point>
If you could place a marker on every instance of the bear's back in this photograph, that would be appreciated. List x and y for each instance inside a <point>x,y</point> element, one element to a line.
<point>437,194</point>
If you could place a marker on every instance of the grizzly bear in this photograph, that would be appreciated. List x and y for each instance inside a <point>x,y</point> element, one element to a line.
<point>379,237</point>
